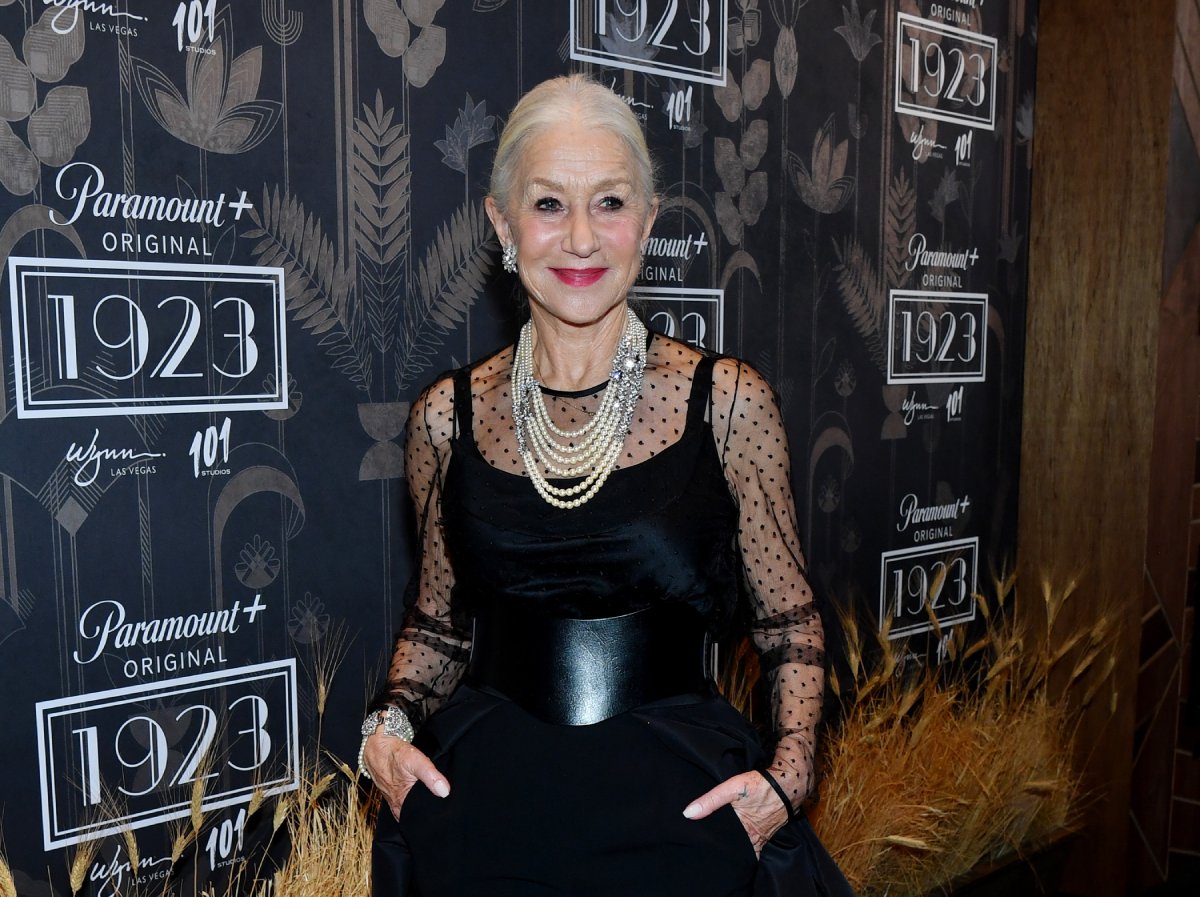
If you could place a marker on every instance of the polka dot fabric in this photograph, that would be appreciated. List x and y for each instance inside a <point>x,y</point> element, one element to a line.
<point>432,649</point>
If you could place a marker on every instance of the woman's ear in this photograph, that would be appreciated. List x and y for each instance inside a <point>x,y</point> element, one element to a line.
<point>649,225</point>
<point>499,222</point>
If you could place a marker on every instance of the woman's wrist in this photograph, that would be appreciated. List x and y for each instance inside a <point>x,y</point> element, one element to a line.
<point>395,724</point>
<point>778,789</point>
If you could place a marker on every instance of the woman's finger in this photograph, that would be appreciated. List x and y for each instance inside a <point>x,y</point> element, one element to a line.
<point>421,767</point>
<point>396,766</point>
<point>737,788</point>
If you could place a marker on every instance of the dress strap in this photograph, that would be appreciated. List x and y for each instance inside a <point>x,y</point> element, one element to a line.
<point>463,406</point>
<point>700,397</point>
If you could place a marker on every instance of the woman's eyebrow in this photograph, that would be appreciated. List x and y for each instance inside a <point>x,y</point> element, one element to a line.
<point>554,186</point>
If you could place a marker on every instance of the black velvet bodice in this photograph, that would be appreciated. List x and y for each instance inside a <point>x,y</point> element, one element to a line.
<point>659,530</point>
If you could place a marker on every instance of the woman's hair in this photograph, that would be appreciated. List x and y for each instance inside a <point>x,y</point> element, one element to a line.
<point>569,98</point>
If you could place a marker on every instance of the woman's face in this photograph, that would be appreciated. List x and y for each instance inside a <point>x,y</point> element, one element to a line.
<point>578,218</point>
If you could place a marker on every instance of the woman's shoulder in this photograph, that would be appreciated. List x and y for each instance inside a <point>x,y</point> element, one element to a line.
<point>730,375</point>
<point>433,409</point>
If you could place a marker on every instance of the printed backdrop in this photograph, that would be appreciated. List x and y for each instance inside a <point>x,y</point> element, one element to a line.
<point>238,237</point>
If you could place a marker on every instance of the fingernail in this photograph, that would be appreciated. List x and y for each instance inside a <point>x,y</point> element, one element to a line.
<point>441,789</point>
<point>692,811</point>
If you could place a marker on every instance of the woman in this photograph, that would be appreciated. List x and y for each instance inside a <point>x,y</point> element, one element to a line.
<point>586,499</point>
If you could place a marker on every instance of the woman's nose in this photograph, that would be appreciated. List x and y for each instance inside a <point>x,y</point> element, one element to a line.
<point>581,236</point>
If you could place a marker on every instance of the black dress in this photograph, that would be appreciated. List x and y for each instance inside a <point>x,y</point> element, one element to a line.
<point>538,808</point>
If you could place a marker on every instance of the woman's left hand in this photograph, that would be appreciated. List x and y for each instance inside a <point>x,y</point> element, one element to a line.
<point>758,807</point>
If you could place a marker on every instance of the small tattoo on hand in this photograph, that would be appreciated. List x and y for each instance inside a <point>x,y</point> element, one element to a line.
<point>744,793</point>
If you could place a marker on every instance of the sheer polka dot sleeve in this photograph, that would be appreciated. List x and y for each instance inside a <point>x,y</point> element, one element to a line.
<point>786,627</point>
<point>432,648</point>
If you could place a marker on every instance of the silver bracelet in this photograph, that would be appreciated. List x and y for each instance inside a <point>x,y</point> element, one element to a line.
<point>395,724</point>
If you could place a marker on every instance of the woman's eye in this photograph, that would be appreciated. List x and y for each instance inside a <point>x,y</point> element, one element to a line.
<point>612,202</point>
<point>547,204</point>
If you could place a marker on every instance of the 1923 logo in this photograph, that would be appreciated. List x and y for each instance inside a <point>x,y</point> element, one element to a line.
<point>679,38</point>
<point>945,73</point>
<point>160,337</point>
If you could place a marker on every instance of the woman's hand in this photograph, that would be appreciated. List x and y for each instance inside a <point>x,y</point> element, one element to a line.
<point>758,807</point>
<point>396,766</point>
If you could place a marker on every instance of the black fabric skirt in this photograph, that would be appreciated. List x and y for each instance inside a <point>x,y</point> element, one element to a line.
<point>537,809</point>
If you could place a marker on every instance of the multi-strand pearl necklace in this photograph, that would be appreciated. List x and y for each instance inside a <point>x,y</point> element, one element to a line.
<point>590,452</point>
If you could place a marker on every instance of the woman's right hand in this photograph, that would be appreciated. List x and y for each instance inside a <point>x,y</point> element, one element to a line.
<point>396,767</point>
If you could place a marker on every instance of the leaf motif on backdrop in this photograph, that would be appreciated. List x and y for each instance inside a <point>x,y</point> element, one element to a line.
<point>389,25</point>
<point>487,5</point>
<point>425,54</point>
<point>318,286</point>
<point>472,127</point>
<point>421,12</point>
<point>18,92</point>
<point>19,168</point>
<point>49,53</point>
<point>393,27</point>
<point>381,182</point>
<point>60,124</point>
<point>899,225</point>
<point>450,277</point>
<point>856,31</point>
<point>729,165</point>
<point>754,198</point>
<point>221,112</point>
<point>732,99</point>
<point>745,196</point>
<point>823,187</point>
<point>787,61</point>
<point>863,296</point>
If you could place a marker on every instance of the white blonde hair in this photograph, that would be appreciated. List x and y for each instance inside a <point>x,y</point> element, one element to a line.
<point>569,98</point>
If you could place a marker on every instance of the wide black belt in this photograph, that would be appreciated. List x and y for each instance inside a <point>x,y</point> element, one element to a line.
<point>578,672</point>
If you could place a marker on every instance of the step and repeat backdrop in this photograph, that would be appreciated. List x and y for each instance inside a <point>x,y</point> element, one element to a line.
<point>239,237</point>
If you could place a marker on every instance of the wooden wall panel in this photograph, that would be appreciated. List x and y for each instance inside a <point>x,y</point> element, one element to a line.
<point>1104,76</point>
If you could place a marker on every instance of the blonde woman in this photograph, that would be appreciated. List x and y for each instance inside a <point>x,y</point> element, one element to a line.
<point>588,499</point>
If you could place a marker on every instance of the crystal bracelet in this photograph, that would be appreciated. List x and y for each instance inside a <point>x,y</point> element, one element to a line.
<point>395,724</point>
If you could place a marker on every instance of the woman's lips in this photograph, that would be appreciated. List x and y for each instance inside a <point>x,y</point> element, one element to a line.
<point>578,277</point>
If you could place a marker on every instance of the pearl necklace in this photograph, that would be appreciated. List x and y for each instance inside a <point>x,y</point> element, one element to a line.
<point>591,451</point>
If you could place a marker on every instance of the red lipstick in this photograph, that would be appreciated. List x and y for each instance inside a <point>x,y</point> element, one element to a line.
<point>578,277</point>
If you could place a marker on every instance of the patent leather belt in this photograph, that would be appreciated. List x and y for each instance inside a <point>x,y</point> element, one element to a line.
<point>578,672</point>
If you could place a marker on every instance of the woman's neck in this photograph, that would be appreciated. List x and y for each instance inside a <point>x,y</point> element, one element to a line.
<point>568,357</point>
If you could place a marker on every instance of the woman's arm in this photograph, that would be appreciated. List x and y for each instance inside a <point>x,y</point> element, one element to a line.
<point>431,649</point>
<point>786,627</point>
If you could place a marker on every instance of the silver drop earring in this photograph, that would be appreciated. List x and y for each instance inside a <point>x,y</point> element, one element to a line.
<point>509,258</point>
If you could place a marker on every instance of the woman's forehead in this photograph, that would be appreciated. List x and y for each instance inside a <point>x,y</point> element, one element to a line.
<point>570,153</point>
